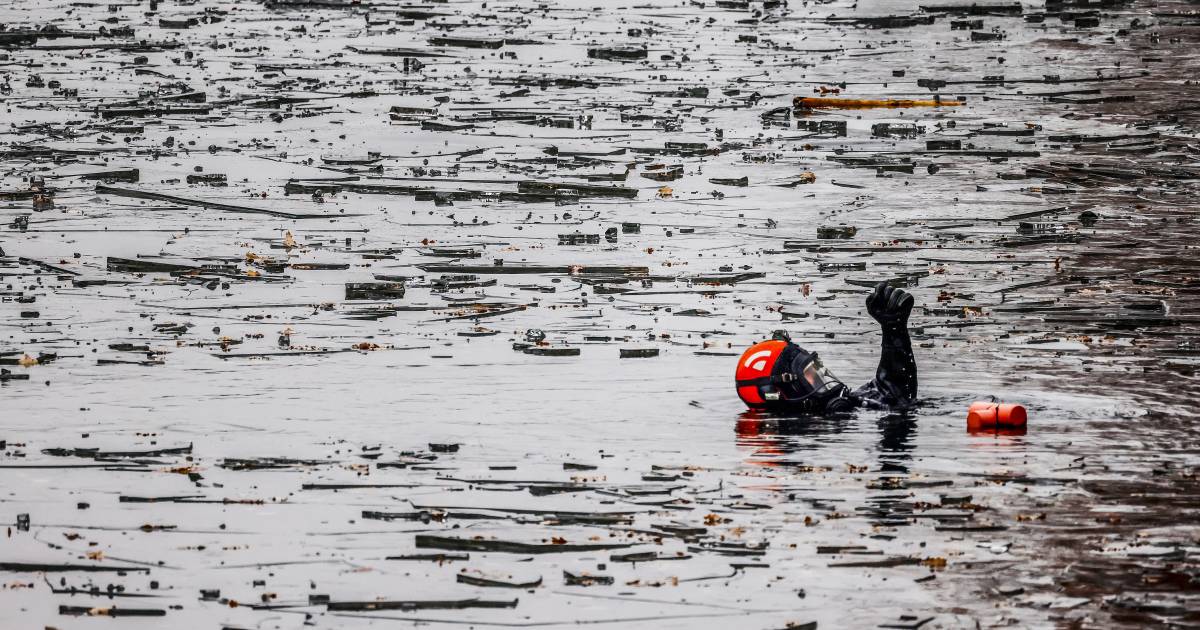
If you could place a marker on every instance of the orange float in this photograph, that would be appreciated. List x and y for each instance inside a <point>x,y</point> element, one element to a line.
<point>996,417</point>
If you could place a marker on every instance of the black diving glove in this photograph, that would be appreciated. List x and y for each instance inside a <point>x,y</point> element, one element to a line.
<point>890,306</point>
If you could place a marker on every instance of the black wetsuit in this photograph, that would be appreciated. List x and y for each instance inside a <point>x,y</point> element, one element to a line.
<point>895,382</point>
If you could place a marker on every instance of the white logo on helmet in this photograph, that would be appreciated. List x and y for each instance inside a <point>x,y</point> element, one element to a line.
<point>761,364</point>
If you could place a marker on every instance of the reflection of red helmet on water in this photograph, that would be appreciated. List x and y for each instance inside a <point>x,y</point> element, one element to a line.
<point>754,369</point>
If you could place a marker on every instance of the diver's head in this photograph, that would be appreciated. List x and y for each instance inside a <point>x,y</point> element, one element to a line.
<point>781,376</point>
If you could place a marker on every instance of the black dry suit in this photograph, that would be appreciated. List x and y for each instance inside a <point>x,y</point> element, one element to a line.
<point>802,385</point>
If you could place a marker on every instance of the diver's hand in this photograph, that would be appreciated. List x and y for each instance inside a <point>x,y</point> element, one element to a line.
<point>890,306</point>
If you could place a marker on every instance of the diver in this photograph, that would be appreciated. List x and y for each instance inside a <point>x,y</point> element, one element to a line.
<point>781,377</point>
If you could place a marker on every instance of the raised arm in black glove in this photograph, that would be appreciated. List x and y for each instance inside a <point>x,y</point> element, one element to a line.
<point>895,382</point>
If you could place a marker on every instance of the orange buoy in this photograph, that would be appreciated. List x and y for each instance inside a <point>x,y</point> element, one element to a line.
<point>990,416</point>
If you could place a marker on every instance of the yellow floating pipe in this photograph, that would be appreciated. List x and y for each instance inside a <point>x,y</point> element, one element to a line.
<point>806,102</point>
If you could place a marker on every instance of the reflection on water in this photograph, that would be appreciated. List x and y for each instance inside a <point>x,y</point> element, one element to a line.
<point>770,439</point>
<point>767,439</point>
<point>756,429</point>
<point>896,433</point>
